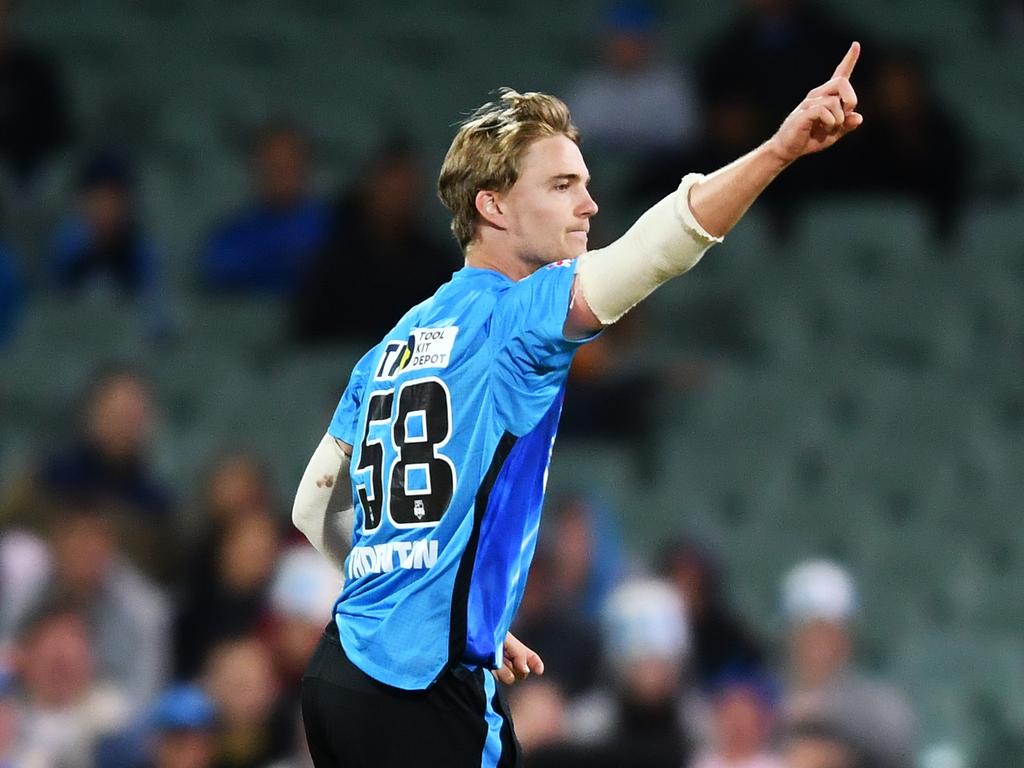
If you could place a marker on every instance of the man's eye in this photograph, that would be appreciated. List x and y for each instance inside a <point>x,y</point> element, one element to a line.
<point>562,187</point>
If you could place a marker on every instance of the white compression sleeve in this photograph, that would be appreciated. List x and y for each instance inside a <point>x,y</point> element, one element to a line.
<point>323,503</point>
<point>664,242</point>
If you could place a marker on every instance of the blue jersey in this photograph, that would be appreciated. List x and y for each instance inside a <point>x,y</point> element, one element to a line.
<point>452,417</point>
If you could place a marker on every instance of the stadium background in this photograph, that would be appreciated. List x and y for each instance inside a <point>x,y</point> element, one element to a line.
<point>847,387</point>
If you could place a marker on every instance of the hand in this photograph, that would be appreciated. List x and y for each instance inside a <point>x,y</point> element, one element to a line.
<point>824,117</point>
<point>520,661</point>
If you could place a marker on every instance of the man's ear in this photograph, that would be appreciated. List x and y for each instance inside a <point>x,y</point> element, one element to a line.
<point>490,208</point>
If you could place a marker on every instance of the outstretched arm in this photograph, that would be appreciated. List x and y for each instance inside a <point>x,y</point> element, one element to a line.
<point>671,237</point>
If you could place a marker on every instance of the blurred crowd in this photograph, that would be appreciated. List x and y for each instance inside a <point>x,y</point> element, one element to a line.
<point>130,638</point>
<point>289,240</point>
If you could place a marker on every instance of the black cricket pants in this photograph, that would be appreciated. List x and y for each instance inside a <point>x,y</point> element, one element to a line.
<point>355,721</point>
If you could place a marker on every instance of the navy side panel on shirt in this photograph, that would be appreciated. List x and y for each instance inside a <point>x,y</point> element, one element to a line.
<point>452,418</point>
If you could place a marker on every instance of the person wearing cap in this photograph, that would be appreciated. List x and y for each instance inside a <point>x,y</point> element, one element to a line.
<point>743,718</point>
<point>644,716</point>
<point>101,247</point>
<point>820,603</point>
<point>634,102</point>
<point>302,593</point>
<point>183,722</point>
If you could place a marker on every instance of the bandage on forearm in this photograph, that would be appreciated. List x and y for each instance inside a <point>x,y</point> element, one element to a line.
<point>323,510</point>
<point>665,242</point>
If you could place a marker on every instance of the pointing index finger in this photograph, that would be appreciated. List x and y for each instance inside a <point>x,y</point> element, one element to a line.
<point>845,68</point>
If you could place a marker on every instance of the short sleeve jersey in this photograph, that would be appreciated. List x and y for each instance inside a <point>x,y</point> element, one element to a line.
<point>452,418</point>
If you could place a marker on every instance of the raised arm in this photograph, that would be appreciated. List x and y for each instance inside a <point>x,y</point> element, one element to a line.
<point>671,237</point>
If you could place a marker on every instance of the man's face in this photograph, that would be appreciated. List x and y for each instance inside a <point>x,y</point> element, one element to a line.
<point>106,206</point>
<point>84,549</point>
<point>741,723</point>
<point>819,651</point>
<point>282,170</point>
<point>120,417</point>
<point>548,209</point>
<point>185,748</point>
<point>807,752</point>
<point>57,664</point>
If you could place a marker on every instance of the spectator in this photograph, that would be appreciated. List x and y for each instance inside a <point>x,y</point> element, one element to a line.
<point>101,248</point>
<point>790,40</point>
<point>25,563</point>
<point>539,709</point>
<point>728,132</point>
<point>10,719</point>
<point>379,255</point>
<point>266,246</point>
<point>819,599</point>
<point>720,640</point>
<point>610,370</point>
<point>302,594</point>
<point>742,725</point>
<point>634,103</point>
<point>566,639</point>
<point>183,723</point>
<point>237,484</point>
<point>238,488</point>
<point>589,562</point>
<point>644,718</point>
<point>34,119</point>
<point>109,461</point>
<point>814,745</point>
<point>68,711</point>
<point>128,619</point>
<point>231,598</point>
<point>255,726</point>
<point>11,293</point>
<point>912,147</point>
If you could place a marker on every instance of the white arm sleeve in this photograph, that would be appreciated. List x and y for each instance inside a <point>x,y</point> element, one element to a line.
<point>665,241</point>
<point>323,503</point>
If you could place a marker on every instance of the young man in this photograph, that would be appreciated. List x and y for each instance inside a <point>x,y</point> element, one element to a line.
<point>438,451</point>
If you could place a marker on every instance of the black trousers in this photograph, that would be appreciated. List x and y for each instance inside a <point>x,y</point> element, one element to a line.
<point>354,721</point>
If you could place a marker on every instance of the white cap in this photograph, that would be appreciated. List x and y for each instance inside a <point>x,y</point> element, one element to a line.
<point>818,589</point>
<point>645,619</point>
<point>305,585</point>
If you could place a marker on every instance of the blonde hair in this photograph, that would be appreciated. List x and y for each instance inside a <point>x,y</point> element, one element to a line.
<point>489,145</point>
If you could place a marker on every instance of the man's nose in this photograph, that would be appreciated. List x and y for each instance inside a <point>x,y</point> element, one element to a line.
<point>589,207</point>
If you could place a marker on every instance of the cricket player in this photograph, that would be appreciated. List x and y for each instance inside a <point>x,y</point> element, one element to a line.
<point>431,475</point>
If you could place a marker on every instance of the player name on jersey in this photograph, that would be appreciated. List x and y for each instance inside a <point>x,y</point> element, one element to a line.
<point>382,558</point>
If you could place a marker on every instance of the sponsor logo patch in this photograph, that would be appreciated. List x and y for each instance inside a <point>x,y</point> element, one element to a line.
<point>425,348</point>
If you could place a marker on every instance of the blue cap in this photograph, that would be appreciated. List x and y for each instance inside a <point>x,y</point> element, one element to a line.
<point>632,17</point>
<point>183,707</point>
<point>737,677</point>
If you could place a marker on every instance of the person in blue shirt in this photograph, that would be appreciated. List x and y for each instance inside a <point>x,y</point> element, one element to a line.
<point>11,293</point>
<point>266,246</point>
<point>102,248</point>
<point>438,451</point>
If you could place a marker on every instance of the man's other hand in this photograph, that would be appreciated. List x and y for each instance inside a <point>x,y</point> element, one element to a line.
<point>520,661</point>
